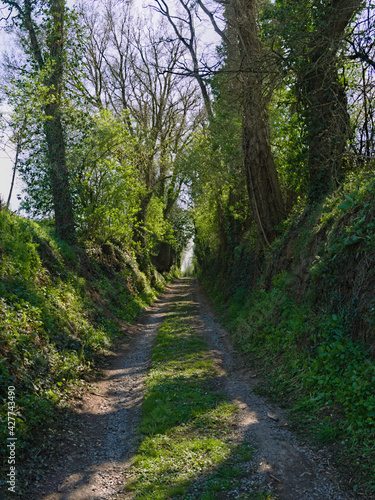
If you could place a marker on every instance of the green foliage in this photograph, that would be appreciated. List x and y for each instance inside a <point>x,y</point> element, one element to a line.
<point>217,182</point>
<point>181,221</point>
<point>156,224</point>
<point>56,318</point>
<point>105,184</point>
<point>310,328</point>
<point>19,258</point>
<point>288,142</point>
<point>340,374</point>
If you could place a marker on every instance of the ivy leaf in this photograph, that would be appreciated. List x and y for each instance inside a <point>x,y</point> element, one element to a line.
<point>352,240</point>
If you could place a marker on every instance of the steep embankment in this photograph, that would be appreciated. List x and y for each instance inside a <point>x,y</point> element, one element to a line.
<point>61,308</point>
<point>305,313</point>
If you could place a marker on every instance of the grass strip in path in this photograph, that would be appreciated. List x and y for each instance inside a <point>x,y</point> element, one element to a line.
<point>187,449</point>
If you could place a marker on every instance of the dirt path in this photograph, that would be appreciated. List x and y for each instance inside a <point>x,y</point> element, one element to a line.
<point>100,434</point>
<point>100,437</point>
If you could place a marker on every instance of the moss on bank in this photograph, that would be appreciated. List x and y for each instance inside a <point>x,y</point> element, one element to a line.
<point>61,308</point>
<point>305,313</point>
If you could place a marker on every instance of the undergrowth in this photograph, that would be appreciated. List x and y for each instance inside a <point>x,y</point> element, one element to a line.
<point>310,329</point>
<point>186,449</point>
<point>60,310</point>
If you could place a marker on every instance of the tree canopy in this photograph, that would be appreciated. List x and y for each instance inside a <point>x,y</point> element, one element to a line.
<point>132,123</point>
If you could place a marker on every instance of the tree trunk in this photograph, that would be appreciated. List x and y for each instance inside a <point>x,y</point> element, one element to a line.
<point>328,129</point>
<point>53,129</point>
<point>62,202</point>
<point>140,221</point>
<point>324,98</point>
<point>63,206</point>
<point>261,176</point>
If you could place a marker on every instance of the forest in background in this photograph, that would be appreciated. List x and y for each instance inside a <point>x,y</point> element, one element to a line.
<point>134,135</point>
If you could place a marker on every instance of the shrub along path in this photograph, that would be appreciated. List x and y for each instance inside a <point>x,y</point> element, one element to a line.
<point>202,433</point>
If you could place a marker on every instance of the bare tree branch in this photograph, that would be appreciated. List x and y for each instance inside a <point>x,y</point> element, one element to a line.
<point>189,43</point>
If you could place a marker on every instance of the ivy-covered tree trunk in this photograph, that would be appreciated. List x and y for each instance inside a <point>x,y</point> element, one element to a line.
<point>261,175</point>
<point>51,61</point>
<point>328,127</point>
<point>63,207</point>
<point>324,98</point>
<point>140,233</point>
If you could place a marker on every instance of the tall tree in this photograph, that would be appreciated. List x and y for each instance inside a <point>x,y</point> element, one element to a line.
<point>132,69</point>
<point>46,47</point>
<point>324,96</point>
<point>261,175</point>
<point>311,38</point>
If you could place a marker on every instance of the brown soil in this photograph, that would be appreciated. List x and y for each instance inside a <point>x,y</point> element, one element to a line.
<point>96,443</point>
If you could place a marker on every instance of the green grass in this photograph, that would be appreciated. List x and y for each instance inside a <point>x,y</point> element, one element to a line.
<point>186,425</point>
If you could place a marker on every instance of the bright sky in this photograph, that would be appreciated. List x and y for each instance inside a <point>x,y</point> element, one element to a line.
<point>6,166</point>
<point>6,154</point>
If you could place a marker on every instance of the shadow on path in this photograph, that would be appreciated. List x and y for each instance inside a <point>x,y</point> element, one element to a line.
<point>101,434</point>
